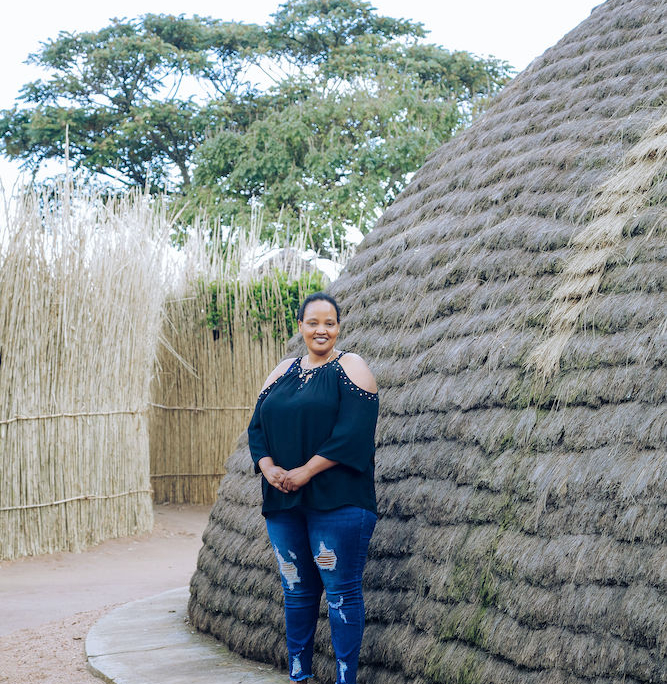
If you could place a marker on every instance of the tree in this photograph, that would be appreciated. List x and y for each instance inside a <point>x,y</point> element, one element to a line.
<point>356,103</point>
<point>321,114</point>
<point>115,92</point>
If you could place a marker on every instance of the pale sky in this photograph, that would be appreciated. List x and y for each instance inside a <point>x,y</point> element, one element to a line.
<point>514,30</point>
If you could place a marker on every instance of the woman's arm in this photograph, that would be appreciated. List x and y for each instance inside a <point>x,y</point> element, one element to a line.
<point>358,371</point>
<point>279,370</point>
<point>297,477</point>
<point>274,474</point>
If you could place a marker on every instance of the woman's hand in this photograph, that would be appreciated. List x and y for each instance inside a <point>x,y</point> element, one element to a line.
<point>296,478</point>
<point>275,475</point>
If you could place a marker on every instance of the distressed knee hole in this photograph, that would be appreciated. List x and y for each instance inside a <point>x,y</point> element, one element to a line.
<point>326,558</point>
<point>339,607</point>
<point>342,669</point>
<point>288,570</point>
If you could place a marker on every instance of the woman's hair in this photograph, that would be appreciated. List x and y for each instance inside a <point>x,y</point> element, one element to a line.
<point>316,297</point>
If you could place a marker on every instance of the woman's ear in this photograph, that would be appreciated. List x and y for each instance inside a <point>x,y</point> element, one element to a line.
<point>299,324</point>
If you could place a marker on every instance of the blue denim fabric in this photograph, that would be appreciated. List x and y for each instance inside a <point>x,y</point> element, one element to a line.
<point>316,549</point>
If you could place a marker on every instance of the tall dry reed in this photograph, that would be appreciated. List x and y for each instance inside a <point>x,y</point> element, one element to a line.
<point>227,322</point>
<point>81,289</point>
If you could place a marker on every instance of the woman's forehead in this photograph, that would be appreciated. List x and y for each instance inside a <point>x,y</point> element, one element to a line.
<point>319,307</point>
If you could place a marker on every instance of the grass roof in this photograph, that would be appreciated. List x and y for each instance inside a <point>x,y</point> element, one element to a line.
<point>511,303</point>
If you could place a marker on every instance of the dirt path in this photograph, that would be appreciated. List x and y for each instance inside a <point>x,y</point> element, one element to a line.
<point>48,603</point>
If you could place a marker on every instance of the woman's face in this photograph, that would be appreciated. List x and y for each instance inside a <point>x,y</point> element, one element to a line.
<point>319,327</point>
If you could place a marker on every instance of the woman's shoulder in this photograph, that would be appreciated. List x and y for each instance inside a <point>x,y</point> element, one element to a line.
<point>278,371</point>
<point>357,371</point>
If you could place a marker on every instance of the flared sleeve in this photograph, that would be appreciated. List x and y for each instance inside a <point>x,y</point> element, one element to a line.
<point>256,438</point>
<point>352,440</point>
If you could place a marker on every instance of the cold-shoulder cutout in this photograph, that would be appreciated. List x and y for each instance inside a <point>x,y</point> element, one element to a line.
<point>277,372</point>
<point>358,372</point>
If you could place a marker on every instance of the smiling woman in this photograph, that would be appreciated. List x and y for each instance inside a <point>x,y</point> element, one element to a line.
<point>312,437</point>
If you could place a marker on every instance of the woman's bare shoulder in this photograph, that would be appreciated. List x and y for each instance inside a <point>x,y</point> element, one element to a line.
<point>358,371</point>
<point>279,370</point>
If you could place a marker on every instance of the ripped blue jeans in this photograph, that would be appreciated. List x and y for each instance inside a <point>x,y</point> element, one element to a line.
<point>317,549</point>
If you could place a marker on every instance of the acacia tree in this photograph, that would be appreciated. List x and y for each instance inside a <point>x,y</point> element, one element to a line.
<point>356,103</point>
<point>324,112</point>
<point>116,93</point>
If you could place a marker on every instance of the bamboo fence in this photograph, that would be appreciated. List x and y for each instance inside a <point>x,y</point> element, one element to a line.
<point>80,305</point>
<point>218,346</point>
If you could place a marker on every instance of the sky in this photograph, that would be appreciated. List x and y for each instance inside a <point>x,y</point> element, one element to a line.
<point>516,31</point>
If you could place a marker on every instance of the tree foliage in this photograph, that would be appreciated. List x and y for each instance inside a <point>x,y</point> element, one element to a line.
<point>356,103</point>
<point>322,113</point>
<point>115,93</point>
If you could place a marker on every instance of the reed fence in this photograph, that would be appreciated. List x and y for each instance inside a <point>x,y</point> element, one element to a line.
<point>96,416</point>
<point>226,325</point>
<point>80,299</point>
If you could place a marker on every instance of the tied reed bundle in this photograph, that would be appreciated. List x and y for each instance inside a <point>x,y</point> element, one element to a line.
<point>80,299</point>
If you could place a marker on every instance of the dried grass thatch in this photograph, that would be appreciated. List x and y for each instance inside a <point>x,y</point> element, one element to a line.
<point>216,353</point>
<point>523,517</point>
<point>80,304</point>
<point>622,198</point>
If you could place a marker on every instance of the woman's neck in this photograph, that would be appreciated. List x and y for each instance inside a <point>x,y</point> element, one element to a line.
<point>319,361</point>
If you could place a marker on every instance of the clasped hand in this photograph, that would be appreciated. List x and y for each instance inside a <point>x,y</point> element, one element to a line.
<point>286,480</point>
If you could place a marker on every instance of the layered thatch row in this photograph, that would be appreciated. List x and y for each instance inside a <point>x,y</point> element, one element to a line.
<point>80,301</point>
<point>512,305</point>
<point>226,327</point>
<point>622,199</point>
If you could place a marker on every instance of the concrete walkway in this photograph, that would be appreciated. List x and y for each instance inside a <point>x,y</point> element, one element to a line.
<point>149,642</point>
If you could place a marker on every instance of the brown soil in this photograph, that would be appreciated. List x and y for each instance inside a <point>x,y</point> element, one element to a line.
<point>50,602</point>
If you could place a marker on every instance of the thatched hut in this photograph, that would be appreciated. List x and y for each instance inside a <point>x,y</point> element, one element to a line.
<point>511,303</point>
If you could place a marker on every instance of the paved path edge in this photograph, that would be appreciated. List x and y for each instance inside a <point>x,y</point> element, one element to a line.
<point>149,642</point>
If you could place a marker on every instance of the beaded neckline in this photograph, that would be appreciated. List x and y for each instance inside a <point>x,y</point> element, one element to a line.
<point>306,374</point>
<point>295,367</point>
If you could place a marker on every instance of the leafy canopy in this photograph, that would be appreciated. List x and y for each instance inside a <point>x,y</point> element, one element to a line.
<point>323,113</point>
<point>356,103</point>
<point>115,92</point>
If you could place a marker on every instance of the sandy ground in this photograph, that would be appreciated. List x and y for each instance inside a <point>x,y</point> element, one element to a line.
<point>48,603</point>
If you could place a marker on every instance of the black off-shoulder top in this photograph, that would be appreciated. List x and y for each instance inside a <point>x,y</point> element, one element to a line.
<point>319,411</point>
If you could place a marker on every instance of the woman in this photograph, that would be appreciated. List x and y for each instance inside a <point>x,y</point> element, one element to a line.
<point>312,437</point>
